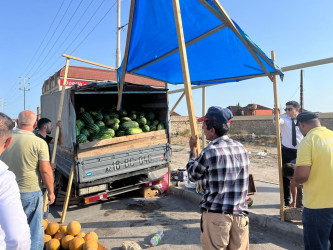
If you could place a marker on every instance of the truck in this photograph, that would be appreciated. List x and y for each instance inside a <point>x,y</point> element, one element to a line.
<point>108,165</point>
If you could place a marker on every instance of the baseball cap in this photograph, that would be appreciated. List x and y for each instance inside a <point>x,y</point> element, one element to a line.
<point>218,114</point>
<point>305,116</point>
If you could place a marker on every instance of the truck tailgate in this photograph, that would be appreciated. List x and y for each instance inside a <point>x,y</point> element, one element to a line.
<point>106,165</point>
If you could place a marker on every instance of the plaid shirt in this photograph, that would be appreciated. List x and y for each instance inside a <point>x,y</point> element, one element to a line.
<point>223,167</point>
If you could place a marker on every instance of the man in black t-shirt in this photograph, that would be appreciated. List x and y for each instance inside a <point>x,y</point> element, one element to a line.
<point>45,127</point>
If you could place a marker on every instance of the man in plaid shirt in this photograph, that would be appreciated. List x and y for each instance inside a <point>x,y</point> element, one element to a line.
<point>223,168</point>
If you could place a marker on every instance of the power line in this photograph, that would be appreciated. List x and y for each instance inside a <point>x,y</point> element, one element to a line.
<point>58,25</point>
<point>43,38</point>
<point>57,39</point>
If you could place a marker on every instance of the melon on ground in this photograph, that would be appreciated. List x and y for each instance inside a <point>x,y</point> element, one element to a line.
<point>90,245</point>
<point>81,234</point>
<point>47,238</point>
<point>45,222</point>
<point>52,228</point>
<point>53,244</point>
<point>66,240</point>
<point>59,236</point>
<point>73,228</point>
<point>91,236</point>
<point>76,243</point>
<point>63,228</point>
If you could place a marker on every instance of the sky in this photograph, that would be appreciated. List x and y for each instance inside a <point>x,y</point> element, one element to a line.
<point>34,34</point>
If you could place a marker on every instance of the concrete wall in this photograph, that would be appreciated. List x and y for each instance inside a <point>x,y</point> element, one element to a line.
<point>259,125</point>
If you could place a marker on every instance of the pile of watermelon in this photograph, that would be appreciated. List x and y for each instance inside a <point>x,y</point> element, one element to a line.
<point>98,125</point>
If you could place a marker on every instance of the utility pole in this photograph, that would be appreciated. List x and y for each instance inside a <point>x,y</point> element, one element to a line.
<point>118,39</point>
<point>2,104</point>
<point>301,92</point>
<point>24,89</point>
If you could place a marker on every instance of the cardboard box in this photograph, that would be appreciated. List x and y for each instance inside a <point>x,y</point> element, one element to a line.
<point>179,175</point>
<point>147,192</point>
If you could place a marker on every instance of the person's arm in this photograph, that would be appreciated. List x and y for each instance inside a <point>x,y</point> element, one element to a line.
<point>301,174</point>
<point>61,136</point>
<point>47,177</point>
<point>13,220</point>
<point>195,166</point>
<point>293,188</point>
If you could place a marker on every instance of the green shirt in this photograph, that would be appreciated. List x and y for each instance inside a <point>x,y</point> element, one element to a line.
<point>22,158</point>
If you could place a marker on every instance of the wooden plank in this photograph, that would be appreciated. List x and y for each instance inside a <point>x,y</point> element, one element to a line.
<point>99,143</point>
<point>90,62</point>
<point>278,140</point>
<point>128,39</point>
<point>185,71</point>
<point>127,146</point>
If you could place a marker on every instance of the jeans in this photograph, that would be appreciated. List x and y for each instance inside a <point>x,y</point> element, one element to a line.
<point>317,226</point>
<point>33,207</point>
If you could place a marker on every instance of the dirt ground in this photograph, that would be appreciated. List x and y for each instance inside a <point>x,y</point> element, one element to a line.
<point>263,159</point>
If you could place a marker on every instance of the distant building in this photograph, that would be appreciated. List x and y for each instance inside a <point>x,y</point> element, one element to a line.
<point>83,75</point>
<point>250,109</point>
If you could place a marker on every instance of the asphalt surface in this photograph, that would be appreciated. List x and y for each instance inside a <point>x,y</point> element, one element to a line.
<point>130,217</point>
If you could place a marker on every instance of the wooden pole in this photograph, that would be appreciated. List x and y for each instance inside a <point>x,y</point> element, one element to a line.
<point>185,70</point>
<point>128,39</point>
<point>203,114</point>
<point>176,104</point>
<point>68,193</point>
<point>278,140</point>
<point>56,136</point>
<point>86,61</point>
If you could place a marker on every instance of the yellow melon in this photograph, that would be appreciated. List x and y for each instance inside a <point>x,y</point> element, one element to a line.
<point>52,228</point>
<point>59,235</point>
<point>76,243</point>
<point>45,222</point>
<point>90,245</point>
<point>66,240</point>
<point>81,234</point>
<point>73,228</point>
<point>47,238</point>
<point>63,228</point>
<point>91,236</point>
<point>53,244</point>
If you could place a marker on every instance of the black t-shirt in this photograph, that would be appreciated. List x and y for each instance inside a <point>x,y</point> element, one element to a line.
<point>47,139</point>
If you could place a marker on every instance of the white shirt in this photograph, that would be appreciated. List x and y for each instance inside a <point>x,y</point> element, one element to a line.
<point>14,228</point>
<point>286,132</point>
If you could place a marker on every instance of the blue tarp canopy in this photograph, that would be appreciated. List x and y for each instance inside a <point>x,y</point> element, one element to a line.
<point>220,56</point>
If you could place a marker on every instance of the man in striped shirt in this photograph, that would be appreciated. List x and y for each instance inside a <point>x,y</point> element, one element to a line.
<point>223,168</point>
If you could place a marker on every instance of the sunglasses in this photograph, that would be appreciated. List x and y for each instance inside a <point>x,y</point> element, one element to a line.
<point>288,109</point>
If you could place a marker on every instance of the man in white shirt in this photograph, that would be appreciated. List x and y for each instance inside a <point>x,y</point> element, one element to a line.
<point>14,228</point>
<point>290,139</point>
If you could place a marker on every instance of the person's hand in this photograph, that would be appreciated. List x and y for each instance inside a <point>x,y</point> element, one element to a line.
<point>293,204</point>
<point>53,166</point>
<point>51,197</point>
<point>193,143</point>
<point>59,124</point>
<point>278,110</point>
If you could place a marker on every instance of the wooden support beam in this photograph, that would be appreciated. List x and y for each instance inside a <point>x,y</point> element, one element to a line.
<point>308,64</point>
<point>176,104</point>
<point>128,39</point>
<point>278,140</point>
<point>69,188</point>
<point>56,136</point>
<point>218,28</point>
<point>185,70</point>
<point>236,31</point>
<point>86,61</point>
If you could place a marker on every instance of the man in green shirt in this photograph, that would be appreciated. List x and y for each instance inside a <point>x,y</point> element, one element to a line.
<point>28,158</point>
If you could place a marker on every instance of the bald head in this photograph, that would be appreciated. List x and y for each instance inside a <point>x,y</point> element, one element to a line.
<point>27,119</point>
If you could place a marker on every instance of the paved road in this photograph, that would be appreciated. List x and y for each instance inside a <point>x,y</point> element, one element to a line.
<point>130,217</point>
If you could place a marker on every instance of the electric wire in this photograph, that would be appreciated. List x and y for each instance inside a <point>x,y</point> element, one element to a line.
<point>58,25</point>
<point>33,57</point>
<point>56,40</point>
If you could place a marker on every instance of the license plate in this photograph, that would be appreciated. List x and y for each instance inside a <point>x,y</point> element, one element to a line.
<point>129,162</point>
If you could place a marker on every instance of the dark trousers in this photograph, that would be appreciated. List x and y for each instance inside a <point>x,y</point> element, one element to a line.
<point>317,228</point>
<point>288,154</point>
